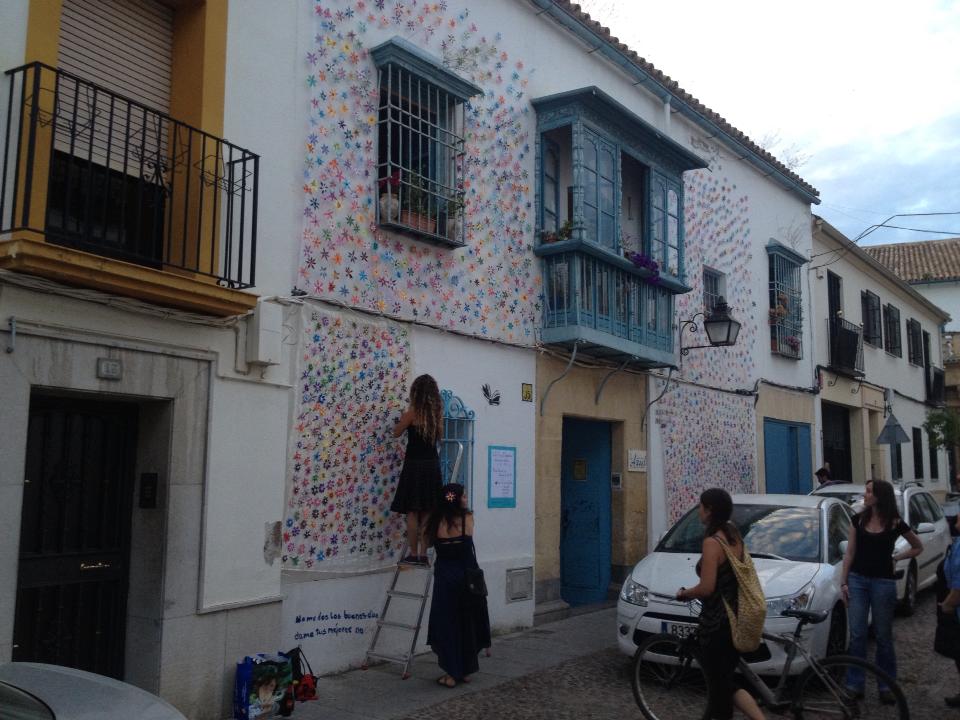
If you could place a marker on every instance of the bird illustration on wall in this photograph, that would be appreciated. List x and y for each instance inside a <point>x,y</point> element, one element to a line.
<point>492,396</point>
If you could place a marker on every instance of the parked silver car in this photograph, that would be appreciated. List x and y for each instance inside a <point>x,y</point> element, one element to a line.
<point>923,513</point>
<point>34,691</point>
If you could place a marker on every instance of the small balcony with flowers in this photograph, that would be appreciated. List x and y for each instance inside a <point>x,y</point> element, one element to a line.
<point>610,229</point>
<point>103,192</point>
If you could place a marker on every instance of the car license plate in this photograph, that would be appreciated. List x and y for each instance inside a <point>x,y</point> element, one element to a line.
<point>678,629</point>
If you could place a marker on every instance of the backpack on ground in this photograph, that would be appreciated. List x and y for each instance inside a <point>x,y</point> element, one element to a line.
<point>746,625</point>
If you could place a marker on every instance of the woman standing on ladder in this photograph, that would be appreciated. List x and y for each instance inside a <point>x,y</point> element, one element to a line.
<point>420,479</point>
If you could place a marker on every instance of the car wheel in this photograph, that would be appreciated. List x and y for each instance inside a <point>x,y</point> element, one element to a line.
<point>837,637</point>
<point>908,603</point>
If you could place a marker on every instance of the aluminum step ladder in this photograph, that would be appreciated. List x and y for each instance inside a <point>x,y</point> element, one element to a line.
<point>406,658</point>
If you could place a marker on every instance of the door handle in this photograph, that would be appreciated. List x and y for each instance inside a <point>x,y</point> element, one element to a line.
<point>94,566</point>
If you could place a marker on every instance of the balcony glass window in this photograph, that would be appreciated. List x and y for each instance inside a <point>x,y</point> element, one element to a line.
<point>785,302</point>
<point>870,312</point>
<point>420,127</point>
<point>891,330</point>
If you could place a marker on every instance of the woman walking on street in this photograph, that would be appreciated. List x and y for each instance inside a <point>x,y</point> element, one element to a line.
<point>459,626</point>
<point>868,584</point>
<point>420,479</point>
<point>718,584</point>
<point>948,594</point>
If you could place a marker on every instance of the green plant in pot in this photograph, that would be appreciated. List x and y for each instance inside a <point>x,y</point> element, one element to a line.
<point>454,210</point>
<point>417,204</point>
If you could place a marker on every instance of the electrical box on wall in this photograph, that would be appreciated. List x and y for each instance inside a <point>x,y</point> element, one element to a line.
<point>264,334</point>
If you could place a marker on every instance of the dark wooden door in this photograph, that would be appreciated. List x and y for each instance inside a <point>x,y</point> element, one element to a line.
<point>836,442</point>
<point>75,534</point>
<point>834,295</point>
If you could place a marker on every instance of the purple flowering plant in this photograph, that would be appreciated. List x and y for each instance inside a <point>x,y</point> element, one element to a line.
<point>645,262</point>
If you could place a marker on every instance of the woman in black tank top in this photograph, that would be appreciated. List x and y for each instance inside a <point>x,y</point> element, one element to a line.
<point>718,584</point>
<point>868,584</point>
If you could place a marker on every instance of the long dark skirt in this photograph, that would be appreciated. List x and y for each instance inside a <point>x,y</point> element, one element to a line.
<point>459,626</point>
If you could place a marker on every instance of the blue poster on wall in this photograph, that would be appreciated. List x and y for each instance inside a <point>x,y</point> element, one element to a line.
<point>501,476</point>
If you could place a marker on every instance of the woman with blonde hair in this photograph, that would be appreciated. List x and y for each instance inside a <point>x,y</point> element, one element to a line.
<point>420,479</point>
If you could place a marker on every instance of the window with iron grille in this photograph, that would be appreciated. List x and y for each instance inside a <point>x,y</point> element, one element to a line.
<point>872,322</point>
<point>914,342</point>
<point>917,453</point>
<point>457,432</point>
<point>713,288</point>
<point>891,330</point>
<point>934,464</point>
<point>896,461</point>
<point>785,310</point>
<point>420,127</point>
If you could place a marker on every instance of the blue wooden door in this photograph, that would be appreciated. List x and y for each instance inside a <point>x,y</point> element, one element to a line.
<point>585,511</point>
<point>786,456</point>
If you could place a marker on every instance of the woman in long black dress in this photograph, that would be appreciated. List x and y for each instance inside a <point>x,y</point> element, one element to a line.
<point>420,479</point>
<point>459,626</point>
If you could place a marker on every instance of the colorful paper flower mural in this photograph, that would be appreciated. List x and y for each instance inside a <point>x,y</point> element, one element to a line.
<point>708,436</point>
<point>353,387</point>
<point>491,287</point>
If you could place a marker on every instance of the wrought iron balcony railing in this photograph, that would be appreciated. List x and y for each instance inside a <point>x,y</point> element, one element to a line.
<point>846,346</point>
<point>92,170</point>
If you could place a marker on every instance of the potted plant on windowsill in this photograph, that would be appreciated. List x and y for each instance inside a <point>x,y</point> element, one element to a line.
<point>644,262</point>
<point>390,197</point>
<point>418,201</point>
<point>454,211</point>
<point>564,233</point>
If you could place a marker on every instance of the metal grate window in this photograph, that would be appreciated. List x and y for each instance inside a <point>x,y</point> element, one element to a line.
<point>934,463</point>
<point>917,453</point>
<point>713,288</point>
<point>914,342</point>
<point>891,330</point>
<point>786,314</point>
<point>870,313</point>
<point>457,428</point>
<point>420,156</point>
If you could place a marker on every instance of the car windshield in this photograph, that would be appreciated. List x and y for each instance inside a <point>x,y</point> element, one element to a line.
<point>788,532</point>
<point>18,705</point>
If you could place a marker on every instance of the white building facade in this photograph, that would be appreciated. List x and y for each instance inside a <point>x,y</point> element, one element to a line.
<point>218,285</point>
<point>878,352</point>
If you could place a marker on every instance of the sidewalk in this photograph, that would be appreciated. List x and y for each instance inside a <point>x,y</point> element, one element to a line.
<point>380,694</point>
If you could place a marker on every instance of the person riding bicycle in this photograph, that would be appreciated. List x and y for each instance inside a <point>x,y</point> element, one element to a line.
<point>718,583</point>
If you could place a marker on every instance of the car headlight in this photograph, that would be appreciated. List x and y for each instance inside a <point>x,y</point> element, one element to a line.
<point>799,601</point>
<point>634,593</point>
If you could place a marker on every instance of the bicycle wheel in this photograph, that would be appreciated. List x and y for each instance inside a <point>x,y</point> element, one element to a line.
<point>827,694</point>
<point>668,681</point>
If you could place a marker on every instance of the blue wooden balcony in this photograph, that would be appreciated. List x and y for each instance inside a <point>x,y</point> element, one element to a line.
<point>607,306</point>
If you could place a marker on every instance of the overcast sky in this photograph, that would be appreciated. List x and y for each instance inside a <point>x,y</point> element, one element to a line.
<point>869,91</point>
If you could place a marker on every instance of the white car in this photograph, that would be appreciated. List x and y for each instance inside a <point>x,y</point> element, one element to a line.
<point>795,544</point>
<point>34,691</point>
<point>923,513</point>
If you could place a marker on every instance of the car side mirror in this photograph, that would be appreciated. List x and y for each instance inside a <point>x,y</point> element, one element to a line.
<point>925,527</point>
<point>843,546</point>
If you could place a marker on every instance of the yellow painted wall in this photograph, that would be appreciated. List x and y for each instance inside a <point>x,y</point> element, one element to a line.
<point>622,403</point>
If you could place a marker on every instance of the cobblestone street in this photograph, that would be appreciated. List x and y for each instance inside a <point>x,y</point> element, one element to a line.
<point>598,685</point>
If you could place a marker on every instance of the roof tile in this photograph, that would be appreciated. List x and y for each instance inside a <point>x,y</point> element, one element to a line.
<point>923,261</point>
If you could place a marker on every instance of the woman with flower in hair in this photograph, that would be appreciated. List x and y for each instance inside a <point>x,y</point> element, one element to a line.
<point>459,626</point>
<point>420,479</point>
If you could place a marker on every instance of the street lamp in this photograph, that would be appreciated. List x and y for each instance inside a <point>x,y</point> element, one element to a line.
<point>722,330</point>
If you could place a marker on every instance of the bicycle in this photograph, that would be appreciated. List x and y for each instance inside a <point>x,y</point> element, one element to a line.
<point>669,682</point>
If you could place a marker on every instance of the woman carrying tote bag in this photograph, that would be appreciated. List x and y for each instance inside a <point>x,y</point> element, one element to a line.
<point>947,640</point>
